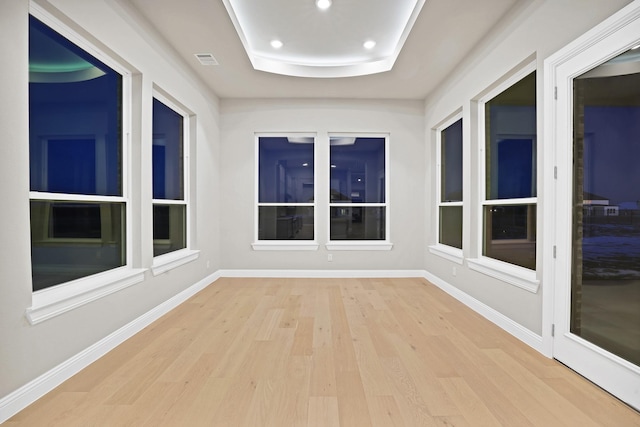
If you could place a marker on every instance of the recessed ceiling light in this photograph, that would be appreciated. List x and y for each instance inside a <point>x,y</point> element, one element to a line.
<point>369,44</point>
<point>276,44</point>
<point>323,4</point>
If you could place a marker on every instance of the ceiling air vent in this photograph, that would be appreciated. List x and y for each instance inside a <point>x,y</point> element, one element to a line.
<point>206,59</point>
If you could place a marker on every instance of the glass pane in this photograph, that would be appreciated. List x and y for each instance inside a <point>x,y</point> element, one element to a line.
<point>75,109</point>
<point>510,234</point>
<point>510,125</point>
<point>168,161</point>
<point>286,170</point>
<point>605,306</point>
<point>357,170</point>
<point>70,240</point>
<point>357,223</point>
<point>451,226</point>
<point>285,223</point>
<point>451,163</point>
<point>169,228</point>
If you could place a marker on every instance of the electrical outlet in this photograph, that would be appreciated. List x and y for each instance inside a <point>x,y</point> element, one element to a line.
<point>208,264</point>
<point>455,271</point>
<point>330,257</point>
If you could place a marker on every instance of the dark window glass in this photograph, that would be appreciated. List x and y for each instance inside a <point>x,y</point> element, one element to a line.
<point>74,240</point>
<point>168,160</point>
<point>286,168</point>
<point>75,147</point>
<point>169,228</point>
<point>510,124</point>
<point>451,163</point>
<point>74,118</point>
<point>358,223</point>
<point>357,170</point>
<point>286,177</point>
<point>510,234</point>
<point>285,223</point>
<point>451,226</point>
<point>605,287</point>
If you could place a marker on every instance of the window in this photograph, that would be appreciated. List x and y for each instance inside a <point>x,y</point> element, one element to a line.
<point>358,187</point>
<point>169,183</point>
<point>509,205</point>
<point>286,189</point>
<point>450,185</point>
<point>77,197</point>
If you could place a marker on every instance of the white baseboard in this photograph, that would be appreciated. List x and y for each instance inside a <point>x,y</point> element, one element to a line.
<point>329,274</point>
<point>29,393</point>
<point>34,390</point>
<point>512,327</point>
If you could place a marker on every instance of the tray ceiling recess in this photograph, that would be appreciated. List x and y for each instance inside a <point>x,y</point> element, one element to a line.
<point>323,38</point>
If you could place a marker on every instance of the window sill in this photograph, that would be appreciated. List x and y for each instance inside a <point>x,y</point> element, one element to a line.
<point>359,246</point>
<point>166,262</point>
<point>448,252</point>
<point>54,301</point>
<point>517,276</point>
<point>282,246</point>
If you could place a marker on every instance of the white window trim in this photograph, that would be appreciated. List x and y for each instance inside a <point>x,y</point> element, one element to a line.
<point>56,300</point>
<point>361,245</point>
<point>159,265</point>
<point>445,251</point>
<point>516,275</point>
<point>59,299</point>
<point>284,245</point>
<point>448,252</point>
<point>169,261</point>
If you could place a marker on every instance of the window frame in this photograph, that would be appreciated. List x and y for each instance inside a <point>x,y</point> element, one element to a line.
<point>516,275</point>
<point>360,245</point>
<point>170,260</point>
<point>446,251</point>
<point>284,245</point>
<point>58,299</point>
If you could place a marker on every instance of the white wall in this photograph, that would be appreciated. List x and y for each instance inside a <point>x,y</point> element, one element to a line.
<point>27,351</point>
<point>402,120</point>
<point>534,31</point>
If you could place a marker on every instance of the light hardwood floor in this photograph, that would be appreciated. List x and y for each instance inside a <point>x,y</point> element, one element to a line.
<point>325,352</point>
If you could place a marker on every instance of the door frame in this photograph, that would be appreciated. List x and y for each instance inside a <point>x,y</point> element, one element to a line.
<point>615,35</point>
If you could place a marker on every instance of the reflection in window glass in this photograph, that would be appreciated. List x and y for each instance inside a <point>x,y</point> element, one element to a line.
<point>510,126</point>
<point>510,165</point>
<point>74,118</point>
<point>75,148</point>
<point>357,188</point>
<point>74,240</point>
<point>510,234</point>
<point>605,286</point>
<point>169,220</point>
<point>169,228</point>
<point>451,161</point>
<point>286,187</point>
<point>358,223</point>
<point>357,170</point>
<point>451,226</point>
<point>285,223</point>
<point>168,158</point>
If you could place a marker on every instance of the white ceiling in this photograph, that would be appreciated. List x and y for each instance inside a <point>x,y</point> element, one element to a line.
<point>444,32</point>
<point>323,42</point>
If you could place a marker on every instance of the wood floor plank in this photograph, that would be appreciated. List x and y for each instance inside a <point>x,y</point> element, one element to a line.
<point>331,352</point>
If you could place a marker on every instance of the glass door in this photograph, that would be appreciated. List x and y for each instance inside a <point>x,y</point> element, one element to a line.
<point>597,314</point>
<point>605,281</point>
